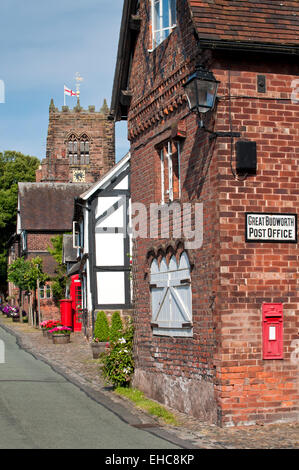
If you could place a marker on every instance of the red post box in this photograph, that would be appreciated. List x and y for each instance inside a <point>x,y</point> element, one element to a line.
<point>272,331</point>
<point>66,312</point>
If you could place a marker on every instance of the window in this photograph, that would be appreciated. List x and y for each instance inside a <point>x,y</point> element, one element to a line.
<point>77,233</point>
<point>78,150</point>
<point>84,150</point>
<point>45,291</point>
<point>171,297</point>
<point>170,172</point>
<point>24,241</point>
<point>48,291</point>
<point>163,19</point>
<point>42,292</point>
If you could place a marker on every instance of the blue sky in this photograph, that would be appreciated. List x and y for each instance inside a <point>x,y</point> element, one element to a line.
<point>42,46</point>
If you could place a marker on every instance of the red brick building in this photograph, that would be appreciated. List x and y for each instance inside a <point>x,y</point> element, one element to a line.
<point>216,324</point>
<point>45,210</point>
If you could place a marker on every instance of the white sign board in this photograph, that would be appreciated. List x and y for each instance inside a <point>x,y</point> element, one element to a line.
<point>279,228</point>
<point>272,333</point>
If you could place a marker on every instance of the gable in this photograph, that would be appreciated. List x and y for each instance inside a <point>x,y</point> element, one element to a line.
<point>268,26</point>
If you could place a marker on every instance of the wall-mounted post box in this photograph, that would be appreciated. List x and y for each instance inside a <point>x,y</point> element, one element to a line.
<point>272,331</point>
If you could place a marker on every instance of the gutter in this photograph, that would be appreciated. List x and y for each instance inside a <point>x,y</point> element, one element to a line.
<point>218,44</point>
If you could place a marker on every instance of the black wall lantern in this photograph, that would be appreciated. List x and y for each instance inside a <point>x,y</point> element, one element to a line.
<point>201,91</point>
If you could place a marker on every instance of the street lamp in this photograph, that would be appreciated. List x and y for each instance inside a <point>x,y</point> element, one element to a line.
<point>201,91</point>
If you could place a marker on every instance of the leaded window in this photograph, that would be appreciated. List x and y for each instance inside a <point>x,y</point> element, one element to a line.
<point>78,150</point>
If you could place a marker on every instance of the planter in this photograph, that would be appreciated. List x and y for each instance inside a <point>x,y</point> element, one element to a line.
<point>98,348</point>
<point>49,335</point>
<point>61,339</point>
<point>15,320</point>
<point>45,332</point>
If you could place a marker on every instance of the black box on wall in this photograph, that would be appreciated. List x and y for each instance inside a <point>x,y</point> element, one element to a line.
<point>246,157</point>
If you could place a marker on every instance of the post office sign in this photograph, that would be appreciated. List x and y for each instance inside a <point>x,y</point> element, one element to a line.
<point>263,227</point>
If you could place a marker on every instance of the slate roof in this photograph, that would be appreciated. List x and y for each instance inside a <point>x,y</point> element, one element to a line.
<point>48,206</point>
<point>265,21</point>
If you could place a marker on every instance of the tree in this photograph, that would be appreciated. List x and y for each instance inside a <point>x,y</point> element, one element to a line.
<point>26,274</point>
<point>116,328</point>
<point>101,327</point>
<point>14,167</point>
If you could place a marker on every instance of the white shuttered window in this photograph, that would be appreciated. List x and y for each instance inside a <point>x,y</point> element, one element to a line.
<point>171,297</point>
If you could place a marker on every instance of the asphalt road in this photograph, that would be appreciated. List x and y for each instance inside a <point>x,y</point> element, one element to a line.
<point>40,409</point>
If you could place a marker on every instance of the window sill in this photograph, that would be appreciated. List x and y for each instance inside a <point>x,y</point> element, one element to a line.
<point>184,326</point>
<point>181,332</point>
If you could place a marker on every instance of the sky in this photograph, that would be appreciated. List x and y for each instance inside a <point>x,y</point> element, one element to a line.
<point>42,46</point>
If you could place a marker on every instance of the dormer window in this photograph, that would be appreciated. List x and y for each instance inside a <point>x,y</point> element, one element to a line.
<point>163,20</point>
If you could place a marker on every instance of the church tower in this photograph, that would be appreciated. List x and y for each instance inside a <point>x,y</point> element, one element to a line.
<point>80,145</point>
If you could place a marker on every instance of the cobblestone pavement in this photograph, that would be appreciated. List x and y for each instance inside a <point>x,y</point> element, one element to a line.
<point>74,360</point>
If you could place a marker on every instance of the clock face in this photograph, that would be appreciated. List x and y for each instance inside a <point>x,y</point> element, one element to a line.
<point>78,175</point>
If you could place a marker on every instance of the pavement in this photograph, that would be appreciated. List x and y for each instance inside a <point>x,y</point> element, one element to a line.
<point>74,362</point>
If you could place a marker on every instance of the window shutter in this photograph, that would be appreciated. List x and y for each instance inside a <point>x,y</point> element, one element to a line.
<point>171,296</point>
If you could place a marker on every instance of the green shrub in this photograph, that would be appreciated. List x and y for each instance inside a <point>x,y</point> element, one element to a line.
<point>118,363</point>
<point>101,327</point>
<point>116,328</point>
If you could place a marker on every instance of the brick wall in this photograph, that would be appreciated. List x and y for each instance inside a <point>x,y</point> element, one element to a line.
<point>218,374</point>
<point>48,309</point>
<point>37,244</point>
<point>251,389</point>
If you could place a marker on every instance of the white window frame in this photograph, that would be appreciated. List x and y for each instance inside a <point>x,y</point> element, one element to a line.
<point>169,156</point>
<point>48,290</point>
<point>76,235</point>
<point>42,292</point>
<point>157,29</point>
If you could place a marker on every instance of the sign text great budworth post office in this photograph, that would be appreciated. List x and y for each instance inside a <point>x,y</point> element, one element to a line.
<point>279,228</point>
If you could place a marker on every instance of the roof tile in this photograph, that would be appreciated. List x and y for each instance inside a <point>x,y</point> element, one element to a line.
<point>48,206</point>
<point>268,21</point>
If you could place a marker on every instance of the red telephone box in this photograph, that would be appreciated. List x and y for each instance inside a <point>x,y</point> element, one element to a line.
<point>272,331</point>
<point>76,297</point>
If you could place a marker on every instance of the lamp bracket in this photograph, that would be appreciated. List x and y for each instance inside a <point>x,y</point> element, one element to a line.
<point>214,135</point>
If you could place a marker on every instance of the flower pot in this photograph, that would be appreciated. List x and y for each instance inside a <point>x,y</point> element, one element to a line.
<point>61,339</point>
<point>98,348</point>
<point>15,319</point>
<point>45,333</point>
<point>49,334</point>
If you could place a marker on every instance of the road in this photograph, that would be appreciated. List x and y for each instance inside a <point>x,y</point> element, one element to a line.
<point>40,409</point>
